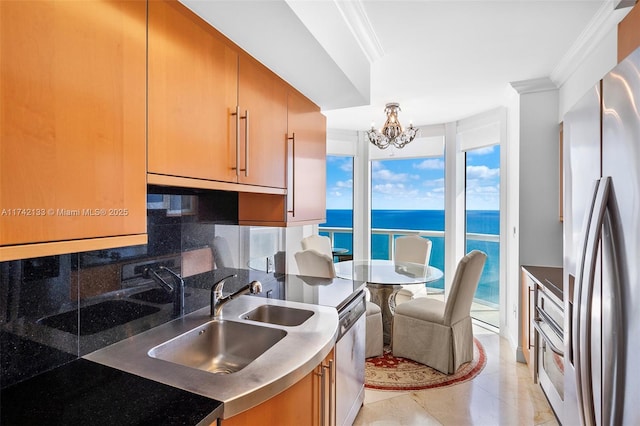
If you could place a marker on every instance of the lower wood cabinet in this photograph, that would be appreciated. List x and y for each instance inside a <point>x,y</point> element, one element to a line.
<point>527,292</point>
<point>311,401</point>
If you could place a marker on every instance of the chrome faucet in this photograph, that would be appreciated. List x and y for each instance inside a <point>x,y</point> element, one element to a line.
<point>178,291</point>
<point>217,299</point>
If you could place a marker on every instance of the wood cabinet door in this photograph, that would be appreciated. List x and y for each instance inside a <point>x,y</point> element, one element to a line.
<point>326,374</point>
<point>300,404</point>
<point>294,406</point>
<point>193,79</point>
<point>72,120</point>
<point>528,287</point>
<point>262,99</point>
<point>306,161</point>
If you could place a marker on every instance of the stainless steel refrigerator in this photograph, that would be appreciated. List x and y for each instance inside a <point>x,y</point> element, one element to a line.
<point>602,252</point>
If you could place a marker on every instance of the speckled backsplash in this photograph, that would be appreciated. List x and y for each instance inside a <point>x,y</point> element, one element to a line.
<point>57,308</point>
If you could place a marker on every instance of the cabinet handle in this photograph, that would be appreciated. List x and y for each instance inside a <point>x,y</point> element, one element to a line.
<point>331,369</point>
<point>322,393</point>
<point>237,166</point>
<point>529,315</point>
<point>246,143</point>
<point>291,181</point>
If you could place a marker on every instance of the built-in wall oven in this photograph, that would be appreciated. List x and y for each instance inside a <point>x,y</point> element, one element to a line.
<point>549,347</point>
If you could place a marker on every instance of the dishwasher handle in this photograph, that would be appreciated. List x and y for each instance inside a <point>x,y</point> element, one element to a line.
<point>350,314</point>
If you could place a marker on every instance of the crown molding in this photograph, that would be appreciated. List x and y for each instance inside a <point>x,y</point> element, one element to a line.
<point>358,22</point>
<point>534,85</point>
<point>605,20</point>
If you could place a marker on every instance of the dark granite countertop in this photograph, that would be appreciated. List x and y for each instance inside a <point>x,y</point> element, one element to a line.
<point>83,392</point>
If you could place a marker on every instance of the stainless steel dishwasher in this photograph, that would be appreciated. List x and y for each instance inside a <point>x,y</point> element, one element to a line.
<point>349,353</point>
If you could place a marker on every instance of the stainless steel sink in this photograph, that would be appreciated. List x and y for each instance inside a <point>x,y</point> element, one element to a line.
<point>219,346</point>
<point>280,315</point>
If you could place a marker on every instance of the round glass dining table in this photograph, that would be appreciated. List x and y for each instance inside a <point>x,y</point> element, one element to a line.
<point>384,278</point>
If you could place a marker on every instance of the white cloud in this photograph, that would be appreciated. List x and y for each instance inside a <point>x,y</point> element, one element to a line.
<point>482,196</point>
<point>482,172</point>
<point>347,166</point>
<point>482,151</point>
<point>434,183</point>
<point>345,183</point>
<point>389,176</point>
<point>388,188</point>
<point>430,164</point>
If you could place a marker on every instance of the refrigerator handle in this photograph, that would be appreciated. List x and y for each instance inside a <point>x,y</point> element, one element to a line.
<point>583,296</point>
<point>577,304</point>
<point>613,387</point>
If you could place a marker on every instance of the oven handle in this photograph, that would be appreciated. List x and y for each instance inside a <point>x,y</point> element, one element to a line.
<point>554,348</point>
<point>548,320</point>
<point>548,298</point>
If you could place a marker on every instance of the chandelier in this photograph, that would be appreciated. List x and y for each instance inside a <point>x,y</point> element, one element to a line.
<point>392,132</point>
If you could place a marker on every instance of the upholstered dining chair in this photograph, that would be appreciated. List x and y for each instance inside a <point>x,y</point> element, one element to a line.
<point>312,263</point>
<point>414,249</point>
<point>436,333</point>
<point>320,243</point>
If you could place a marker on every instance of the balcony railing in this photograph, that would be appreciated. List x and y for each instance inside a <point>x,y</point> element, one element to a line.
<point>383,244</point>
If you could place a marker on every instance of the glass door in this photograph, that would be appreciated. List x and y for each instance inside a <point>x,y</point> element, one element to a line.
<point>339,224</point>
<point>482,220</point>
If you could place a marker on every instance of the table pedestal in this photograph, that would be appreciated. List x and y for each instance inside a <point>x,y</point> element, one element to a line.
<point>380,294</point>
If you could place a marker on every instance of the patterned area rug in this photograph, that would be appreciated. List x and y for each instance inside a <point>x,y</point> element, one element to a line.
<point>387,372</point>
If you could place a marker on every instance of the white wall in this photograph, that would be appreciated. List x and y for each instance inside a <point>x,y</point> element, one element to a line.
<point>510,166</point>
<point>540,226</point>
<point>534,230</point>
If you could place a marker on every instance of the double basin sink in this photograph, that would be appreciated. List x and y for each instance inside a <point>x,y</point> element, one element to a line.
<point>253,350</point>
<point>226,347</point>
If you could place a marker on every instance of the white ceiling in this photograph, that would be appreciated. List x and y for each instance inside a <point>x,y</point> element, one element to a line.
<point>441,60</point>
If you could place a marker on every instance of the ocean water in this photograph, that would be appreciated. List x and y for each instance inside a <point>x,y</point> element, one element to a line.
<point>478,221</point>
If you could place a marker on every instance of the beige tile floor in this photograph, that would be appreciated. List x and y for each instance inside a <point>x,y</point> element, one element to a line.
<point>502,394</point>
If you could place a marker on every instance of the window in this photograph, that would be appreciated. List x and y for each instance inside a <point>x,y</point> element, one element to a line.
<point>407,196</point>
<point>339,224</point>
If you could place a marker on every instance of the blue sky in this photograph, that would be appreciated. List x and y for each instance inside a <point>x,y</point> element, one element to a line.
<point>416,184</point>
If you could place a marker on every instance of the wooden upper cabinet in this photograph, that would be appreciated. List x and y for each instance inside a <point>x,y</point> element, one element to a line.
<point>305,201</point>
<point>72,121</point>
<point>193,85</point>
<point>262,100</point>
<point>629,33</point>
<point>306,159</point>
<point>214,112</point>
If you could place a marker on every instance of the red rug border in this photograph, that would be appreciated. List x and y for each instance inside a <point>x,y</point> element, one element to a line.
<point>471,374</point>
